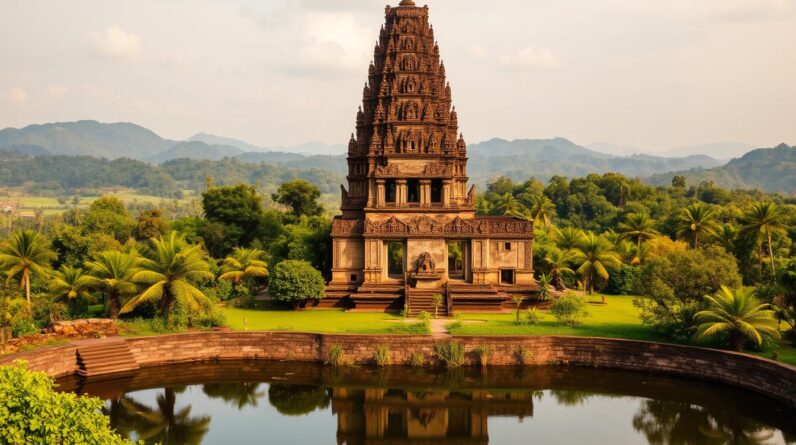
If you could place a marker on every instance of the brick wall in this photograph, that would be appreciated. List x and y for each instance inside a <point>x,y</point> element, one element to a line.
<point>770,378</point>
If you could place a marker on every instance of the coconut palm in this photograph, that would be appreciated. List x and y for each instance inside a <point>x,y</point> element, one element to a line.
<point>506,204</point>
<point>170,274</point>
<point>568,237</point>
<point>24,255</point>
<point>558,261</point>
<point>595,255</point>
<point>631,253</point>
<point>740,315</point>
<point>637,227</point>
<point>726,236</point>
<point>543,210</point>
<point>696,222</point>
<point>112,272</point>
<point>70,284</point>
<point>243,265</point>
<point>763,219</point>
<point>166,423</point>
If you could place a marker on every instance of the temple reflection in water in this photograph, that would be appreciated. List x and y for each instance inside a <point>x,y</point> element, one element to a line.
<point>391,416</point>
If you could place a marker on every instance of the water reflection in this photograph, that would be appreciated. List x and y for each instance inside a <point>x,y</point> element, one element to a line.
<point>404,406</point>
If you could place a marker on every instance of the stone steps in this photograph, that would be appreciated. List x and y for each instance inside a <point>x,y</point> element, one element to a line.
<point>103,357</point>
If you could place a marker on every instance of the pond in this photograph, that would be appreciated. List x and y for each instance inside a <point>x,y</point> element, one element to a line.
<point>291,403</point>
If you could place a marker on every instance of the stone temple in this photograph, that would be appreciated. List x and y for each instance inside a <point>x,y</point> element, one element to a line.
<point>408,229</point>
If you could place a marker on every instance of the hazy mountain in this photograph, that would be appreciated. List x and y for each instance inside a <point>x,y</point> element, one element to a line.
<point>613,149</point>
<point>25,149</point>
<point>314,148</point>
<point>196,150</point>
<point>721,150</point>
<point>333,163</point>
<point>768,169</point>
<point>89,138</point>
<point>211,139</point>
<point>523,158</point>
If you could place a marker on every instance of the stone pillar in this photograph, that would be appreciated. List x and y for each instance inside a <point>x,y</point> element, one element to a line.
<point>380,194</point>
<point>446,192</point>
<point>373,266</point>
<point>400,192</point>
<point>425,192</point>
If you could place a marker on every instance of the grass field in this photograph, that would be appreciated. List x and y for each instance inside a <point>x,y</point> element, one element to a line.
<point>50,204</point>
<point>330,321</point>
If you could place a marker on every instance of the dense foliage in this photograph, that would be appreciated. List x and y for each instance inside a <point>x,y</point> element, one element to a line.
<point>32,412</point>
<point>296,282</point>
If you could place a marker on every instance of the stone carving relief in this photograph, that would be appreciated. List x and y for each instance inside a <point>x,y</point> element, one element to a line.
<point>456,227</point>
<point>425,263</point>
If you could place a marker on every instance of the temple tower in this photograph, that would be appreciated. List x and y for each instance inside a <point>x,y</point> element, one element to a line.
<point>408,225</point>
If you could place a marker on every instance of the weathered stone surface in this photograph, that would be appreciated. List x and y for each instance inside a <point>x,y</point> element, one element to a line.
<point>64,330</point>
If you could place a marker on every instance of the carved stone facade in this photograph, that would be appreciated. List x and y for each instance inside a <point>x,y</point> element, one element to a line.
<point>408,192</point>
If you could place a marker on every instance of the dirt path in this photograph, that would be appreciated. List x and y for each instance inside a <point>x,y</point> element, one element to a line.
<point>439,327</point>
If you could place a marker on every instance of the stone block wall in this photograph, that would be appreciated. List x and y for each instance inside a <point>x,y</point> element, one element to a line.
<point>770,378</point>
<point>63,330</point>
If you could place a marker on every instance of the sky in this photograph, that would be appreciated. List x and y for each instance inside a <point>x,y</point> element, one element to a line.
<point>652,74</point>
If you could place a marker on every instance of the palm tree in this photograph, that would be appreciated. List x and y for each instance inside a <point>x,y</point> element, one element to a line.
<point>544,282</point>
<point>726,235</point>
<point>740,314</point>
<point>637,227</point>
<point>24,255</point>
<point>697,221</point>
<point>506,204</point>
<point>543,210</point>
<point>568,237</point>
<point>70,284</point>
<point>243,265</point>
<point>763,219</point>
<point>170,275</point>
<point>558,260</point>
<point>164,424</point>
<point>112,272</point>
<point>596,255</point>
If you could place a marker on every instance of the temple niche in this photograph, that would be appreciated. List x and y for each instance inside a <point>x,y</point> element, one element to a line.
<point>408,228</point>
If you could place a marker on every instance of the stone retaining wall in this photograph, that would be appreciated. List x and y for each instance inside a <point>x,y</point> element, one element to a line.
<point>63,330</point>
<point>761,375</point>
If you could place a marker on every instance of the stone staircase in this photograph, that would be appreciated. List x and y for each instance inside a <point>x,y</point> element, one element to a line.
<point>106,356</point>
<point>423,300</point>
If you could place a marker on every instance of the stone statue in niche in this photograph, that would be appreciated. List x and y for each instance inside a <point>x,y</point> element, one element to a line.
<point>425,263</point>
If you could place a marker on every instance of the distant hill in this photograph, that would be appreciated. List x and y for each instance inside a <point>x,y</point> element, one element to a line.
<point>25,149</point>
<point>543,158</point>
<point>721,150</point>
<point>211,139</point>
<point>88,138</point>
<point>196,150</point>
<point>768,169</point>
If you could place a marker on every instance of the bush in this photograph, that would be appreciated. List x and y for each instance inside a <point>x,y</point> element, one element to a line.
<point>336,357</point>
<point>295,282</point>
<point>451,354</point>
<point>417,359</point>
<point>381,356</point>
<point>623,281</point>
<point>523,355</point>
<point>532,316</point>
<point>31,412</point>
<point>424,316</point>
<point>569,309</point>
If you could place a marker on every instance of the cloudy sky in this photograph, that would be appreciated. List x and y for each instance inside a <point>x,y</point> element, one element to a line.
<point>654,74</point>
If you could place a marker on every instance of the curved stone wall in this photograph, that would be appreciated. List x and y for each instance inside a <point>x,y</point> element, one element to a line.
<point>761,375</point>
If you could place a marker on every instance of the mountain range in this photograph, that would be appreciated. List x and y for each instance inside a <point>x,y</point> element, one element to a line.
<point>518,159</point>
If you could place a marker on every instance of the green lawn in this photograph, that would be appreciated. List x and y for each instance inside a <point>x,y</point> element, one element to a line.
<point>330,321</point>
<point>618,318</point>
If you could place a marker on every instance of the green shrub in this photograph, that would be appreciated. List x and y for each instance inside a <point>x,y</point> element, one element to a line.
<point>381,356</point>
<point>336,356</point>
<point>484,353</point>
<point>451,354</point>
<point>31,412</point>
<point>296,282</point>
<point>569,309</point>
<point>424,316</point>
<point>417,359</point>
<point>532,316</point>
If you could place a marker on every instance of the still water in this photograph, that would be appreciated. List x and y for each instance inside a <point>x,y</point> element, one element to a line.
<point>297,404</point>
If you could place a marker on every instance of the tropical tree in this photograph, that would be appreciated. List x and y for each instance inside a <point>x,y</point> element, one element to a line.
<point>558,261</point>
<point>543,210</point>
<point>568,237</point>
<point>595,255</point>
<point>763,219</point>
<point>637,227</point>
<point>70,284</point>
<point>244,265</point>
<point>506,204</point>
<point>24,255</point>
<point>112,272</point>
<point>726,236</point>
<point>170,275</point>
<point>740,314</point>
<point>696,222</point>
<point>518,300</point>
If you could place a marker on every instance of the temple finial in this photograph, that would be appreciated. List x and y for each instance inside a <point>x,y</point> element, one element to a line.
<point>407,3</point>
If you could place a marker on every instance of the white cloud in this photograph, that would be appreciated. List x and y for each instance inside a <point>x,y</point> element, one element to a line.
<point>334,42</point>
<point>478,51</point>
<point>529,58</point>
<point>116,43</point>
<point>17,95</point>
